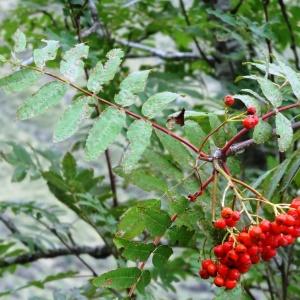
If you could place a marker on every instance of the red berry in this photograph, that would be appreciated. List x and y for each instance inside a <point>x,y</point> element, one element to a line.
<point>295,202</point>
<point>203,274</point>
<point>251,110</point>
<point>244,238</point>
<point>230,284</point>
<point>244,268</point>
<point>220,224</point>
<point>253,250</point>
<point>229,100</point>
<point>218,251</point>
<point>232,256</point>
<point>222,270</point>
<point>219,281</point>
<point>289,220</point>
<point>230,222</point>
<point>227,246</point>
<point>212,270</point>
<point>245,259</point>
<point>226,212</point>
<point>236,215</point>
<point>281,219</point>
<point>206,263</point>
<point>255,259</point>
<point>240,248</point>
<point>265,225</point>
<point>234,274</point>
<point>250,121</point>
<point>255,233</point>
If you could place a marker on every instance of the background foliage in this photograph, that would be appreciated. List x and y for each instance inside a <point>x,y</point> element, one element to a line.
<point>154,58</point>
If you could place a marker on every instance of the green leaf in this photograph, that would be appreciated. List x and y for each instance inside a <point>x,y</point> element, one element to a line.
<point>139,136</point>
<point>262,132</point>
<point>132,222</point>
<point>135,82</point>
<point>101,75</point>
<point>161,164</point>
<point>134,250</point>
<point>276,178</point>
<point>47,96</point>
<point>72,65</point>
<point>19,80</point>
<point>194,132</point>
<point>271,91</point>
<point>40,56</point>
<point>125,98</point>
<point>69,166</point>
<point>156,221</point>
<point>249,101</point>
<point>121,278</point>
<point>144,280</point>
<point>179,153</point>
<point>156,103</point>
<point>161,255</point>
<point>70,120</point>
<point>20,41</point>
<point>284,131</point>
<point>291,173</point>
<point>291,76</point>
<point>146,181</point>
<point>19,174</point>
<point>104,132</point>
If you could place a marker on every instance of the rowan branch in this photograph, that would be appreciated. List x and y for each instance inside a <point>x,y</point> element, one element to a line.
<point>96,252</point>
<point>242,132</point>
<point>245,144</point>
<point>291,32</point>
<point>98,28</point>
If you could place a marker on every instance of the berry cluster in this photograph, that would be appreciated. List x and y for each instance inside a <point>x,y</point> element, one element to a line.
<point>229,218</point>
<point>258,242</point>
<point>251,120</point>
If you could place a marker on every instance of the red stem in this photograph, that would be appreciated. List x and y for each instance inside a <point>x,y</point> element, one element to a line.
<point>202,154</point>
<point>193,197</point>
<point>244,130</point>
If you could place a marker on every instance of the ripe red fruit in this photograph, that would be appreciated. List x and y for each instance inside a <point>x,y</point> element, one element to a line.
<point>230,222</point>
<point>265,225</point>
<point>212,269</point>
<point>255,233</point>
<point>220,224</point>
<point>253,250</point>
<point>245,259</point>
<point>232,255</point>
<point>295,203</point>
<point>244,238</point>
<point>251,110</point>
<point>226,212</point>
<point>281,219</point>
<point>255,259</point>
<point>218,251</point>
<point>219,281</point>
<point>250,121</point>
<point>229,100</point>
<point>223,270</point>
<point>206,263</point>
<point>289,220</point>
<point>240,248</point>
<point>230,284</point>
<point>227,246</point>
<point>203,274</point>
<point>234,274</point>
<point>236,215</point>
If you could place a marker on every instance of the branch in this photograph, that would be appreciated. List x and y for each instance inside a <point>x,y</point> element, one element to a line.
<point>291,32</point>
<point>235,9</point>
<point>188,23</point>
<point>242,132</point>
<point>245,144</point>
<point>97,28</point>
<point>202,155</point>
<point>96,252</point>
